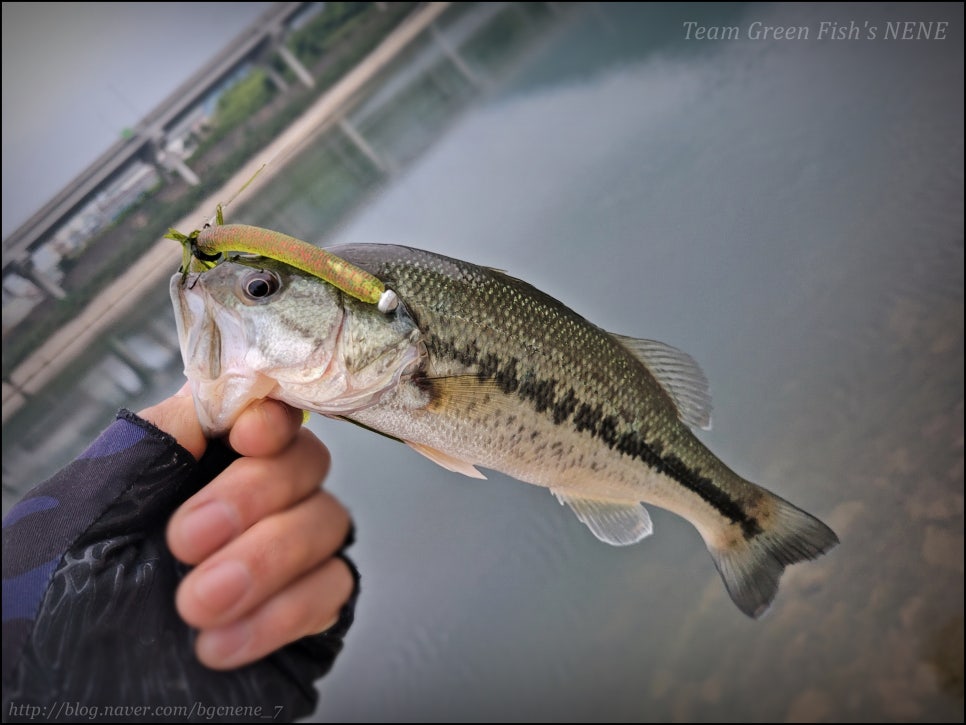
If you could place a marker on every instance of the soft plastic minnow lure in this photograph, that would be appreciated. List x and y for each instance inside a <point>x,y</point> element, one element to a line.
<point>205,247</point>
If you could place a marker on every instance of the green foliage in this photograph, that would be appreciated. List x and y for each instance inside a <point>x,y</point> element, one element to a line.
<point>350,30</point>
<point>310,42</point>
<point>243,99</point>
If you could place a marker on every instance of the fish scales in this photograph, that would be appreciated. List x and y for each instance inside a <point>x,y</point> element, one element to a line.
<point>477,368</point>
<point>546,359</point>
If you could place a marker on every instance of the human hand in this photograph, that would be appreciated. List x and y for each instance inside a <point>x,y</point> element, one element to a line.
<point>262,536</point>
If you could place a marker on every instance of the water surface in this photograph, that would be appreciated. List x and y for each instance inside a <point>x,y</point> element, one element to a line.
<point>788,212</point>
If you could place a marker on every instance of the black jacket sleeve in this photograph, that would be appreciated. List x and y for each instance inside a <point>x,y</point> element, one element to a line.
<point>89,623</point>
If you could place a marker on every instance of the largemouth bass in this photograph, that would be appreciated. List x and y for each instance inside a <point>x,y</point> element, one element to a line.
<point>475,368</point>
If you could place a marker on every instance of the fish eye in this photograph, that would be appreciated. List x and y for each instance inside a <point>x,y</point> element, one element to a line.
<point>260,285</point>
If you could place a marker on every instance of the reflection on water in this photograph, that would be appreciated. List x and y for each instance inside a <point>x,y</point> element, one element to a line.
<point>790,213</point>
<point>399,115</point>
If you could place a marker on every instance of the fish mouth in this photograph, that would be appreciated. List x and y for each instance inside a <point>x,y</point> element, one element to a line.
<point>219,401</point>
<point>213,349</point>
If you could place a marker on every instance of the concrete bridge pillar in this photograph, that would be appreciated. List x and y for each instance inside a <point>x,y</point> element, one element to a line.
<point>384,165</point>
<point>454,57</point>
<point>123,352</point>
<point>297,68</point>
<point>44,281</point>
<point>275,77</point>
<point>166,160</point>
<point>177,164</point>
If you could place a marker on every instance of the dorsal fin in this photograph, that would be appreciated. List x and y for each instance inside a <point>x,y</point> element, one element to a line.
<point>678,374</point>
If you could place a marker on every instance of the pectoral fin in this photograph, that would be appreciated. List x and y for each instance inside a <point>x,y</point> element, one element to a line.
<point>447,461</point>
<point>618,524</point>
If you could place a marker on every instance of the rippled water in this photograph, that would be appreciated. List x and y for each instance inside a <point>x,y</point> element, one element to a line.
<point>791,214</point>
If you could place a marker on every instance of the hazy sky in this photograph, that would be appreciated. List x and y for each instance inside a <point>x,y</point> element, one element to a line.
<point>75,75</point>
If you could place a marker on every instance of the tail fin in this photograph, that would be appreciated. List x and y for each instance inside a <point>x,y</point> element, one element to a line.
<point>752,567</point>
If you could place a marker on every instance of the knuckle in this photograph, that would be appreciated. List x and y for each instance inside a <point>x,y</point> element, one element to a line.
<point>280,550</point>
<point>335,512</point>
<point>316,451</point>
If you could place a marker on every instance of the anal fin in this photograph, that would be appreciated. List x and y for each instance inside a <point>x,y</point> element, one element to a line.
<point>450,463</point>
<point>614,523</point>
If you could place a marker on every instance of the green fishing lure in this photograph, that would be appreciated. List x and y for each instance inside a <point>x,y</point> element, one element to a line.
<point>205,247</point>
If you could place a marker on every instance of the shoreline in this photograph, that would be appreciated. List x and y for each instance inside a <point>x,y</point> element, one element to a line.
<point>162,260</point>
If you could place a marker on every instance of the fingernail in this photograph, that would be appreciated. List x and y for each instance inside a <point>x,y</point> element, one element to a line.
<point>220,646</point>
<point>329,625</point>
<point>222,586</point>
<point>208,527</point>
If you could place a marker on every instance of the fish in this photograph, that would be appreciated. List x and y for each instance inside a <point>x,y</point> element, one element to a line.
<point>474,368</point>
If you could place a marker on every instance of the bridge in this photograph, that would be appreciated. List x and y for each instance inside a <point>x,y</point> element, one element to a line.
<point>148,140</point>
<point>61,348</point>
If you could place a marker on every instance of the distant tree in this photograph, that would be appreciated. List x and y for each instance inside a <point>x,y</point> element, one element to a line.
<point>243,99</point>
<point>310,42</point>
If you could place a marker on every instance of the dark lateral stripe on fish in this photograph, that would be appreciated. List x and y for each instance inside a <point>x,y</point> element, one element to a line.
<point>541,394</point>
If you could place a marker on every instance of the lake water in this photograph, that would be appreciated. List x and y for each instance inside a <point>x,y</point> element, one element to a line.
<point>790,212</point>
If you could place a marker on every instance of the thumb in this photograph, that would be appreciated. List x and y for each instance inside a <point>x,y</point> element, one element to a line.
<point>176,416</point>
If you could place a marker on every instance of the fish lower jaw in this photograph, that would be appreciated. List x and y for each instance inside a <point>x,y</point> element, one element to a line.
<point>219,402</point>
